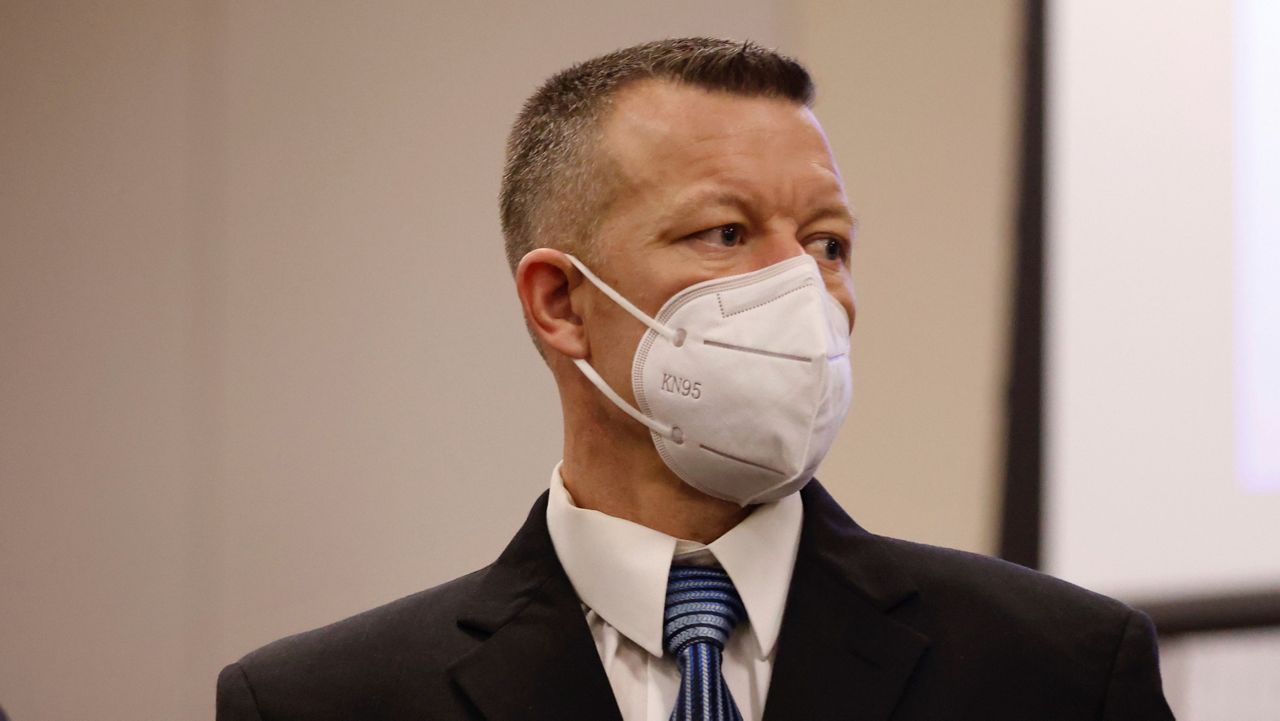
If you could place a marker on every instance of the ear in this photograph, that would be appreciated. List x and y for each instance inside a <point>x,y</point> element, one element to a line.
<point>544,280</point>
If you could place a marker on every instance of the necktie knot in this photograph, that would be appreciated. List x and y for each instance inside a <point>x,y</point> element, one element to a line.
<point>702,607</point>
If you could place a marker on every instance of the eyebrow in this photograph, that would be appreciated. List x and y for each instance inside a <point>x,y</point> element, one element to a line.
<point>837,211</point>
<point>719,197</point>
<point>712,197</point>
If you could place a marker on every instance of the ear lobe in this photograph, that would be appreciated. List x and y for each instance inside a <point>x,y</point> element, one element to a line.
<point>544,279</point>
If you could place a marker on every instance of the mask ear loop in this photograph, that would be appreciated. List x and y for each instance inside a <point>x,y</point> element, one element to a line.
<point>675,337</point>
<point>662,429</point>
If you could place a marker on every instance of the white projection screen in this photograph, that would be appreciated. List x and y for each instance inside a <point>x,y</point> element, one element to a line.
<point>1162,420</point>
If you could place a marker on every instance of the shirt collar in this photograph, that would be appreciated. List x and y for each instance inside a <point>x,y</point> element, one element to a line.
<point>619,568</point>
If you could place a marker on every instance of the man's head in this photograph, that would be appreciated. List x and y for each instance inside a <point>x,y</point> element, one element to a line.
<point>558,182</point>
<point>662,166</point>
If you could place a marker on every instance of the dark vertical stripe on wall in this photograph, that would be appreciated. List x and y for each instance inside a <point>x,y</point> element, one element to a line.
<point>1020,521</point>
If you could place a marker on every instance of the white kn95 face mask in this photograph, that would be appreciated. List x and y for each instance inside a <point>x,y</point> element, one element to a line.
<point>743,381</point>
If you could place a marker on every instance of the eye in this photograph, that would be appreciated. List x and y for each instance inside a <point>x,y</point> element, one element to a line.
<point>829,249</point>
<point>730,235</point>
<point>722,236</point>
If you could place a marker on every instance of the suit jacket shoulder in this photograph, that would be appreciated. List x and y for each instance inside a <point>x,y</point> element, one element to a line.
<point>392,656</point>
<point>1011,604</point>
<point>1003,641</point>
<point>506,642</point>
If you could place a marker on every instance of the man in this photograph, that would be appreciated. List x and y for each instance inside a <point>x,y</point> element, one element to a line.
<point>680,237</point>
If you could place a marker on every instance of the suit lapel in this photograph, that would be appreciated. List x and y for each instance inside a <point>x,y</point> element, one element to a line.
<point>844,651</point>
<point>536,657</point>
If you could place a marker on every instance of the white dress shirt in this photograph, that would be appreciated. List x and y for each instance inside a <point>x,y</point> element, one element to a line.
<point>619,571</point>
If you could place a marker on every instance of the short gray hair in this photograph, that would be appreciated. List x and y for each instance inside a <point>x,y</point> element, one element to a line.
<point>554,187</point>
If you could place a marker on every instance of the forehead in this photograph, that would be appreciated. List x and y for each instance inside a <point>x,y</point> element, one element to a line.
<point>660,135</point>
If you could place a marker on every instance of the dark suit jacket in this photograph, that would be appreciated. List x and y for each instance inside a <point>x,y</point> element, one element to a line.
<point>874,629</point>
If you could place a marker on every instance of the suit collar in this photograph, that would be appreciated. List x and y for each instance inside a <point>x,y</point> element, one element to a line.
<point>536,658</point>
<point>846,649</point>
<point>837,545</point>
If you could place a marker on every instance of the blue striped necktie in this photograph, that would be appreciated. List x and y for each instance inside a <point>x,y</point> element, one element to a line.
<point>702,609</point>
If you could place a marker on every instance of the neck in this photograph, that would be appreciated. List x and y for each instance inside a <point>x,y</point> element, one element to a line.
<point>612,467</point>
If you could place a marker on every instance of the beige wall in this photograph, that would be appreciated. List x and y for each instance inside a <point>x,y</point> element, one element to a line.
<point>922,105</point>
<point>261,366</point>
<point>98,481</point>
